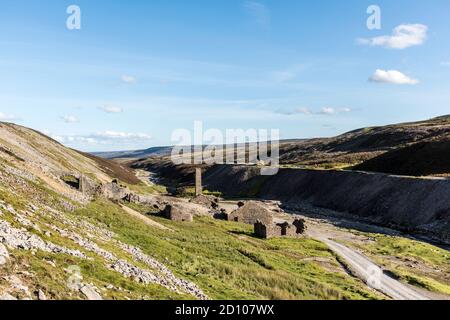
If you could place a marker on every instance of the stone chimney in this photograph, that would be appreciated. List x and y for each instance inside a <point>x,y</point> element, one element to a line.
<point>198,182</point>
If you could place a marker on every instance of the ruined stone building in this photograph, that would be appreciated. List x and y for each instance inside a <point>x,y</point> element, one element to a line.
<point>210,202</point>
<point>285,229</point>
<point>251,212</point>
<point>114,191</point>
<point>81,183</point>
<point>176,213</point>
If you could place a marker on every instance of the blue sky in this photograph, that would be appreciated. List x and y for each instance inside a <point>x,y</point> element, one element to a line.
<point>138,70</point>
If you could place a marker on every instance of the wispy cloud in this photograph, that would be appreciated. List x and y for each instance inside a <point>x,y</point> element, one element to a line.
<point>445,63</point>
<point>327,111</point>
<point>308,111</point>
<point>392,77</point>
<point>259,13</point>
<point>111,109</point>
<point>8,117</point>
<point>332,111</point>
<point>403,36</point>
<point>289,112</point>
<point>70,119</point>
<point>113,138</point>
<point>129,79</point>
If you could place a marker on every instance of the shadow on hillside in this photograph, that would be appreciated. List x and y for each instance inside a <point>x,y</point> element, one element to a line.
<point>349,222</point>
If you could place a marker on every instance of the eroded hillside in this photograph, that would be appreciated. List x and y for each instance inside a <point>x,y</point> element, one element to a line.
<point>57,242</point>
<point>416,148</point>
<point>44,244</point>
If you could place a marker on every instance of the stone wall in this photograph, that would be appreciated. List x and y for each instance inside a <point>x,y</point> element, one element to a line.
<point>114,191</point>
<point>176,213</point>
<point>285,229</point>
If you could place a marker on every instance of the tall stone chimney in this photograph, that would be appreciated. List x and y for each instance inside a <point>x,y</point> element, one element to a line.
<point>198,182</point>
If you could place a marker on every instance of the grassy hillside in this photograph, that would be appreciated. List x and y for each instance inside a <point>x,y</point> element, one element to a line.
<point>114,169</point>
<point>417,148</point>
<point>61,244</point>
<point>428,158</point>
<point>226,260</point>
<point>361,145</point>
<point>222,258</point>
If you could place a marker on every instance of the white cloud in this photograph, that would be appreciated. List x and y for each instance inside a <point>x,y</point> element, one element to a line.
<point>122,135</point>
<point>392,76</point>
<point>331,111</point>
<point>70,119</point>
<point>111,109</point>
<point>446,63</point>
<point>259,12</point>
<point>308,111</point>
<point>327,110</point>
<point>129,79</point>
<point>7,117</point>
<point>403,36</point>
<point>289,112</point>
<point>60,139</point>
<point>113,138</point>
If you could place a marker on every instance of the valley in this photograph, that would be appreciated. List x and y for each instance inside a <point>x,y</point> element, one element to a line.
<point>67,241</point>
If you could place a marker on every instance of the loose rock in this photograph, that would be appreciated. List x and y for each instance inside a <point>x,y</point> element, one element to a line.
<point>90,293</point>
<point>7,297</point>
<point>41,295</point>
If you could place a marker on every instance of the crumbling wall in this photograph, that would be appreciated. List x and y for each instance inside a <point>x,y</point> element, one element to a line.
<point>80,182</point>
<point>114,191</point>
<point>210,202</point>
<point>176,213</point>
<point>88,186</point>
<point>250,213</point>
<point>284,229</point>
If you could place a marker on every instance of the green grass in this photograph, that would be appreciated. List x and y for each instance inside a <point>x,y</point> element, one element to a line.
<point>54,281</point>
<point>143,188</point>
<point>222,258</point>
<point>415,262</point>
<point>189,192</point>
<point>228,263</point>
<point>70,179</point>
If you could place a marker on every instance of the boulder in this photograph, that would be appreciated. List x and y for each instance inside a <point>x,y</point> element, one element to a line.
<point>90,293</point>
<point>41,295</point>
<point>7,297</point>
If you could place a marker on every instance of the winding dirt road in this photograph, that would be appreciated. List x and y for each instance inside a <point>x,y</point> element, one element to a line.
<point>369,272</point>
